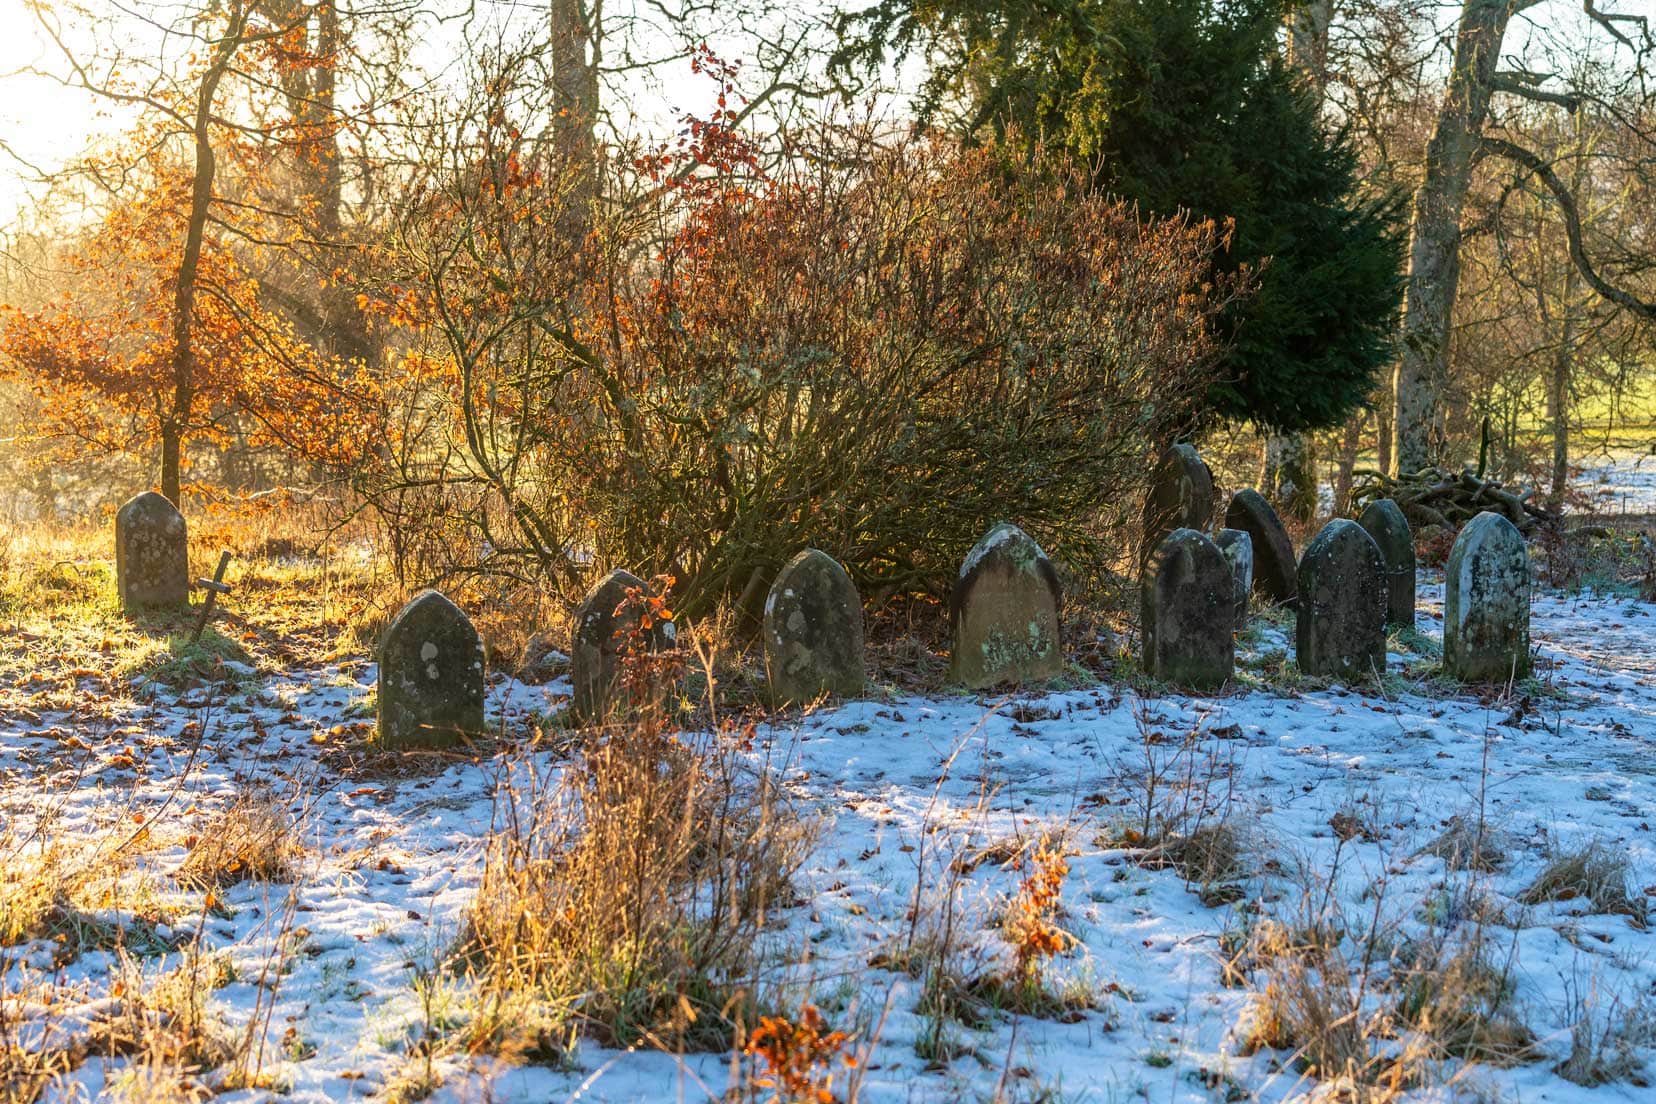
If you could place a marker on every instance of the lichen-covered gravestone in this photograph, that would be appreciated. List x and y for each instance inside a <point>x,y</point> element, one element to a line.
<point>1005,613</point>
<point>1237,547</point>
<point>1390,529</point>
<point>1188,611</point>
<point>1275,573</point>
<point>1180,497</point>
<point>430,675</point>
<point>152,558</point>
<point>813,631</point>
<point>1341,627</point>
<point>1486,602</point>
<point>606,626</point>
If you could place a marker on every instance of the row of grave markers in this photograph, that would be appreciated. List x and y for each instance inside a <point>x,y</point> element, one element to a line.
<point>1353,580</point>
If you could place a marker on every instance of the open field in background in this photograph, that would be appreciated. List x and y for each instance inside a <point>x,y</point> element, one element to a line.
<point>1097,891</point>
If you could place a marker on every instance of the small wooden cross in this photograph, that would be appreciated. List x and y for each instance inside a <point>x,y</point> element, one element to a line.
<point>214,587</point>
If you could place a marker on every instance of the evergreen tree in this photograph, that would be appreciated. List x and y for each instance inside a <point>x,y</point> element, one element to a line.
<point>1187,106</point>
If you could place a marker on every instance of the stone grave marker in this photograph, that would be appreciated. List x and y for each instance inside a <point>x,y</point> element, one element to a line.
<point>1385,522</point>
<point>1341,625</point>
<point>1004,610</point>
<point>1275,573</point>
<point>1486,602</point>
<point>1237,547</point>
<point>1187,602</point>
<point>813,630</point>
<point>600,640</point>
<point>430,675</point>
<point>152,556</point>
<point>1180,497</point>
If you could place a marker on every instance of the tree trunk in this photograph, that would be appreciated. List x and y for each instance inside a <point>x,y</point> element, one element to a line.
<point>1308,41</point>
<point>1289,476</point>
<point>1434,248</point>
<point>1349,445</point>
<point>575,112</point>
<point>175,421</point>
<point>1558,388</point>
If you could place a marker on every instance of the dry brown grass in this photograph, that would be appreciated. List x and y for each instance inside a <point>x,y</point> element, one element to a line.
<point>1593,874</point>
<point>631,890</point>
<point>1607,1034</point>
<point>1468,844</point>
<point>254,838</point>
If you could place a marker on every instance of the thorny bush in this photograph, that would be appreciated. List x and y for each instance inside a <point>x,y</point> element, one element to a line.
<point>877,352</point>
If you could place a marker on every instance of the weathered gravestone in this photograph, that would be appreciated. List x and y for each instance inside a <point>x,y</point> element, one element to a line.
<point>1005,613</point>
<point>1486,602</point>
<point>430,675</point>
<point>1341,625</point>
<point>152,557</point>
<point>1180,497</point>
<point>1390,529</point>
<point>1187,602</point>
<point>813,630</point>
<point>1237,547</point>
<point>1275,572</point>
<point>606,627</point>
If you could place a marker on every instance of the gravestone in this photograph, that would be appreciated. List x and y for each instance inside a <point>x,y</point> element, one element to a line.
<point>1275,573</point>
<point>430,675</point>
<point>1187,602</point>
<point>1486,602</point>
<point>1004,610</point>
<point>1341,624</point>
<point>152,556</point>
<point>1237,547</point>
<point>813,631</point>
<point>1385,522</point>
<point>602,634</point>
<point>1180,497</point>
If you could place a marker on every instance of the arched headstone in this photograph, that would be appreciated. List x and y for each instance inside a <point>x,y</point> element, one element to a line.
<point>1004,610</point>
<point>601,635</point>
<point>813,630</point>
<point>1180,497</point>
<point>1188,609</point>
<point>152,555</point>
<point>430,675</point>
<point>1486,602</point>
<point>1385,522</point>
<point>1275,573</point>
<point>1237,547</point>
<point>1341,625</point>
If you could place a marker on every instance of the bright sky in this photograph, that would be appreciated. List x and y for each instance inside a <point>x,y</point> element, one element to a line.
<point>40,120</point>
<point>45,123</point>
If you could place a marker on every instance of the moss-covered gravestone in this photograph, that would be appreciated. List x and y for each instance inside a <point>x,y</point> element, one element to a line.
<point>1275,573</point>
<point>607,627</point>
<point>1004,609</point>
<point>1341,624</point>
<point>1385,522</point>
<point>1180,497</point>
<point>1237,547</point>
<point>1486,602</point>
<point>152,556</point>
<point>430,675</point>
<point>813,631</point>
<point>1187,603</point>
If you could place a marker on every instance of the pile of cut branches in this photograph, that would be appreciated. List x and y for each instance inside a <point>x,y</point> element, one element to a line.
<point>1438,496</point>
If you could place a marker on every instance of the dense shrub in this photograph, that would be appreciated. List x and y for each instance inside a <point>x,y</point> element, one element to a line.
<point>880,361</point>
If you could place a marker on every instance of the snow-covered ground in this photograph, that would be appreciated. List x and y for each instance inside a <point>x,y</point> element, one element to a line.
<point>1623,484</point>
<point>904,784</point>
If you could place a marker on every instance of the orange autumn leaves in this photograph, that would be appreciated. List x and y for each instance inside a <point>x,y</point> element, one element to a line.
<point>99,355</point>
